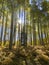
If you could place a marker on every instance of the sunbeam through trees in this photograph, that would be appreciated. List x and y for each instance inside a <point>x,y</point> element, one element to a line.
<point>24,32</point>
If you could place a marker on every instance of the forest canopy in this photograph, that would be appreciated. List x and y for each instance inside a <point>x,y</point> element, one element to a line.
<point>24,32</point>
<point>28,16</point>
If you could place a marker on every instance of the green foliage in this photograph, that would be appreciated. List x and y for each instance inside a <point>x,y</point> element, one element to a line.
<point>35,20</point>
<point>25,55</point>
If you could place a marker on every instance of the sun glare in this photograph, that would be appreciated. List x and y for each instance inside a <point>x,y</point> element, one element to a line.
<point>19,21</point>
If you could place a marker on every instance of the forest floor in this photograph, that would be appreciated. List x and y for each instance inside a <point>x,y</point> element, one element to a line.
<point>31,55</point>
